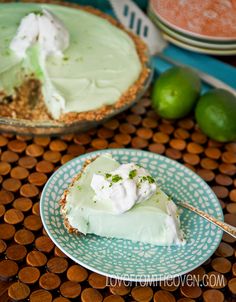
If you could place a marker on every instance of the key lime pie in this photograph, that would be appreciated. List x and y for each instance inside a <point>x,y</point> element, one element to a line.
<point>120,201</point>
<point>66,64</point>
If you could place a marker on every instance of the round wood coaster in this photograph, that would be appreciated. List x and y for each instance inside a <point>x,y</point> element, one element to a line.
<point>8,269</point>
<point>142,293</point>
<point>97,281</point>
<point>33,223</point>
<point>36,258</point>
<point>37,178</point>
<point>13,216</point>
<point>70,289</point>
<point>91,295</point>
<point>9,156</point>
<point>19,172</point>
<point>6,197</point>
<point>44,244</point>
<point>57,265</point>
<point>42,140</point>
<point>77,273</point>
<point>49,281</point>
<point>191,291</point>
<point>119,288</point>
<point>7,231</point>
<point>52,156</point>
<point>162,295</point>
<point>221,265</point>
<point>29,275</point>
<point>232,286</point>
<point>224,250</point>
<point>3,246</point>
<point>29,190</point>
<point>113,298</point>
<point>5,168</point>
<point>44,166</point>
<point>41,295</point>
<point>24,237</point>
<point>2,210</point>
<point>34,150</point>
<point>212,295</point>
<point>17,146</point>
<point>16,252</point>
<point>59,253</point>
<point>18,291</point>
<point>27,162</point>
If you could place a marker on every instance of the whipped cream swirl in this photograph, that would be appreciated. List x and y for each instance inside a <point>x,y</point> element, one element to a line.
<point>43,28</point>
<point>124,187</point>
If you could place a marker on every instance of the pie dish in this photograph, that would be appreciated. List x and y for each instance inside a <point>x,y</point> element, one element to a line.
<point>102,71</point>
<point>121,201</point>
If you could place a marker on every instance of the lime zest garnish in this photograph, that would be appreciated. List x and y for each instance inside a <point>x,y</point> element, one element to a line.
<point>132,174</point>
<point>116,178</point>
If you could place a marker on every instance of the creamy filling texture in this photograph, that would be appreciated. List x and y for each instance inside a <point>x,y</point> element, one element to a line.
<point>153,220</point>
<point>98,65</point>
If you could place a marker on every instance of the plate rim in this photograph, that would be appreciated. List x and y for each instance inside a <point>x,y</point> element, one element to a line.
<point>123,278</point>
<point>209,51</point>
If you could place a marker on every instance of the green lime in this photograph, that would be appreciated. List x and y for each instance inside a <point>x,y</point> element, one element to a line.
<point>175,92</point>
<point>216,115</point>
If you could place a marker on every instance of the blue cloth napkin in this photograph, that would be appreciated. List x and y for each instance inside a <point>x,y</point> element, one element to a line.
<point>202,62</point>
<point>208,64</point>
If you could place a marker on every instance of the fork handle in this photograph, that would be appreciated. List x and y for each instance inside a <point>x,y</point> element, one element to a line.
<point>212,81</point>
<point>222,225</point>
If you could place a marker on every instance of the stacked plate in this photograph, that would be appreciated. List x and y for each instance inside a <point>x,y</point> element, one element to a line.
<point>207,26</point>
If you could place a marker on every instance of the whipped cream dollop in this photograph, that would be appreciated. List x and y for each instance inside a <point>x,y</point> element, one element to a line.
<point>124,187</point>
<point>43,28</point>
<point>46,31</point>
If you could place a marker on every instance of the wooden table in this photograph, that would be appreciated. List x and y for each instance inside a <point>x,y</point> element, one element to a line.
<point>33,269</point>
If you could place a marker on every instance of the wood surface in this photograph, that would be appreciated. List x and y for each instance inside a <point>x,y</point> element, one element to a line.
<point>33,269</point>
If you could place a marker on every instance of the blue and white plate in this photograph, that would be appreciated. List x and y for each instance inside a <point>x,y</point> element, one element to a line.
<point>124,259</point>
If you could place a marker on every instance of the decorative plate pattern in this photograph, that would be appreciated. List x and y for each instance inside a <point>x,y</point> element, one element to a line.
<point>124,259</point>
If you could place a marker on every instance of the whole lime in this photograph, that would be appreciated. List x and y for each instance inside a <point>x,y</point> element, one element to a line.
<point>175,92</point>
<point>216,115</point>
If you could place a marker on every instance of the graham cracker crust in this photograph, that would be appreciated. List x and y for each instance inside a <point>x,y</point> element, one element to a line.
<point>20,107</point>
<point>62,201</point>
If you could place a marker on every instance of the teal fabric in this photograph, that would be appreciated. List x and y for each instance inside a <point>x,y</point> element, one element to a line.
<point>208,64</point>
<point>104,4</point>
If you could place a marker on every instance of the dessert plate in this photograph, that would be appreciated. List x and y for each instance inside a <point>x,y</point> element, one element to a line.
<point>127,260</point>
<point>207,50</point>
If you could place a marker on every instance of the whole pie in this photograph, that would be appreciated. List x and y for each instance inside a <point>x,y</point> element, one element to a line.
<point>66,62</point>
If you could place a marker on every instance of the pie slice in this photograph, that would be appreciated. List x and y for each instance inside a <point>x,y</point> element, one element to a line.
<point>120,201</point>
